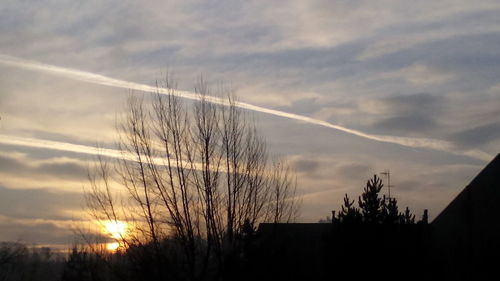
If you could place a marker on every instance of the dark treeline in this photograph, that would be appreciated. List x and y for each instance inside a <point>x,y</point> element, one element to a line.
<point>365,241</point>
<point>19,262</point>
<point>163,261</point>
<point>373,209</point>
<point>386,243</point>
<point>370,240</point>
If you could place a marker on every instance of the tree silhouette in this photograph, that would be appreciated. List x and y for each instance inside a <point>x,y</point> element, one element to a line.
<point>349,214</point>
<point>201,176</point>
<point>78,267</point>
<point>407,217</point>
<point>390,213</point>
<point>370,203</point>
<point>425,218</point>
<point>375,235</point>
<point>375,209</point>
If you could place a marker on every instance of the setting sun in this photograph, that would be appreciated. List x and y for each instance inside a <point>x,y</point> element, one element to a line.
<point>112,246</point>
<point>116,229</point>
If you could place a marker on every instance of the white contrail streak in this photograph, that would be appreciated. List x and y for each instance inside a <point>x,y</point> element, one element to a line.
<point>64,146</point>
<point>83,149</point>
<point>107,81</point>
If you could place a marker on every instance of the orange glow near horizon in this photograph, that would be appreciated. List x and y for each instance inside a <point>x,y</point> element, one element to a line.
<point>112,246</point>
<point>115,229</point>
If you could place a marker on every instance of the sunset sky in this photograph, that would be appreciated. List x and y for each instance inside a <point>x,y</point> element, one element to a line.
<point>353,87</point>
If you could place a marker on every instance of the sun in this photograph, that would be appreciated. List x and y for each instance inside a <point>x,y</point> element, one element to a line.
<point>112,246</point>
<point>115,229</point>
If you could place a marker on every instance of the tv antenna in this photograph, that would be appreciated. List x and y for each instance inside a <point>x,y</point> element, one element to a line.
<point>387,173</point>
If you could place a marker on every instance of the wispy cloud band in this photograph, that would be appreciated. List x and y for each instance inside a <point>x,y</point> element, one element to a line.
<point>93,78</point>
<point>90,150</point>
<point>62,146</point>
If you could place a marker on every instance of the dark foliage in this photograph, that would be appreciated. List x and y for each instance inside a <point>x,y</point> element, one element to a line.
<point>377,238</point>
<point>349,214</point>
<point>374,209</point>
<point>18,262</point>
<point>369,238</point>
<point>370,203</point>
<point>83,266</point>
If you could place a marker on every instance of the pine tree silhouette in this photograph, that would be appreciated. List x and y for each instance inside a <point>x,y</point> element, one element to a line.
<point>374,209</point>
<point>390,213</point>
<point>349,214</point>
<point>407,217</point>
<point>425,218</point>
<point>370,203</point>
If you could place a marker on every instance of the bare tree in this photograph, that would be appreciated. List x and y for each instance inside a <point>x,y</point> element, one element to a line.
<point>197,176</point>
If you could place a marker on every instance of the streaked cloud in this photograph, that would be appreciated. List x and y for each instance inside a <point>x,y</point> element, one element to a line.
<point>58,168</point>
<point>63,146</point>
<point>479,135</point>
<point>339,83</point>
<point>107,81</point>
<point>41,204</point>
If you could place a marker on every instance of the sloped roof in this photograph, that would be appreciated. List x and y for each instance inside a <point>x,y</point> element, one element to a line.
<point>474,215</point>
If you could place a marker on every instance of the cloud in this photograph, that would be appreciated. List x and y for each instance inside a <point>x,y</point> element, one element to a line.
<point>355,64</point>
<point>434,26</point>
<point>64,146</point>
<point>478,136</point>
<point>107,81</point>
<point>57,234</point>
<point>9,165</point>
<point>63,170</point>
<point>415,114</point>
<point>39,203</point>
<point>39,233</point>
<point>420,74</point>
<point>406,124</point>
<point>353,170</point>
<point>307,166</point>
<point>52,168</point>
<point>419,103</point>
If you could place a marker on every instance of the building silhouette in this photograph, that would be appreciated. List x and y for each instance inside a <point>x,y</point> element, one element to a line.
<point>466,234</point>
<point>461,243</point>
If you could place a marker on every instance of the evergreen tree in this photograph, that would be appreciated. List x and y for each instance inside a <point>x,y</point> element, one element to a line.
<point>407,217</point>
<point>77,267</point>
<point>349,214</point>
<point>425,218</point>
<point>370,203</point>
<point>83,266</point>
<point>374,209</point>
<point>390,213</point>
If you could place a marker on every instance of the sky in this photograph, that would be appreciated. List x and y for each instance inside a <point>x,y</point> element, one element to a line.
<point>341,89</point>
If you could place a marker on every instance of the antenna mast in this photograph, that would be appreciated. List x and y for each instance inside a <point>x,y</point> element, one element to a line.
<point>387,173</point>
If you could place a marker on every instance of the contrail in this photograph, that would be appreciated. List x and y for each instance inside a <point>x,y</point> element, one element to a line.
<point>64,146</point>
<point>93,78</point>
<point>83,149</point>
